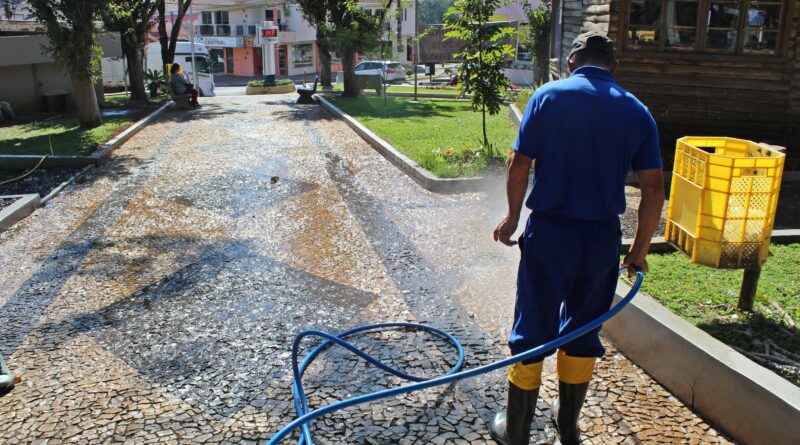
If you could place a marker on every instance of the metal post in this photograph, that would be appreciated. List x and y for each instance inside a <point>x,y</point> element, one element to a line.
<point>191,40</point>
<point>416,46</point>
<point>747,295</point>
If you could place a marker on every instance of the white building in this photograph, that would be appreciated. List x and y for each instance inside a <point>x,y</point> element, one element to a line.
<point>227,28</point>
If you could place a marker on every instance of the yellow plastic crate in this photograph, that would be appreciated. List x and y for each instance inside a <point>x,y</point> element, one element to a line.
<point>723,199</point>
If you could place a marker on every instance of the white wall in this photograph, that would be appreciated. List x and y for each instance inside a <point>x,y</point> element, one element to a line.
<point>303,30</point>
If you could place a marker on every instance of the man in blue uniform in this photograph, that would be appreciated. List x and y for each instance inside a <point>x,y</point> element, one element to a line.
<point>584,133</point>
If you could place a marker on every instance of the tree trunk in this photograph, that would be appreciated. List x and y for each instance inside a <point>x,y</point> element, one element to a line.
<point>348,66</point>
<point>163,39</point>
<point>542,57</point>
<point>86,101</point>
<point>324,61</point>
<point>133,54</point>
<point>183,8</point>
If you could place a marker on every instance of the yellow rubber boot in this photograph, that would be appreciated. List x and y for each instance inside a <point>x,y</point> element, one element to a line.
<point>513,427</point>
<point>574,375</point>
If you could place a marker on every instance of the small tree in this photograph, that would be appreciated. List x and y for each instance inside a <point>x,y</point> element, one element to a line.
<point>169,43</point>
<point>69,25</point>
<point>536,36</point>
<point>483,53</point>
<point>131,19</point>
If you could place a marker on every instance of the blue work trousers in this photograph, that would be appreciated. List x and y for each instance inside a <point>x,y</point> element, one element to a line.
<point>567,277</point>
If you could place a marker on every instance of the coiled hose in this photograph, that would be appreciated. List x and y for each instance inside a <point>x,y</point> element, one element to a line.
<point>301,403</point>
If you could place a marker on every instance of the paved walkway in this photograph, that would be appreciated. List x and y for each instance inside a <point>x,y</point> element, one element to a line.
<point>156,300</point>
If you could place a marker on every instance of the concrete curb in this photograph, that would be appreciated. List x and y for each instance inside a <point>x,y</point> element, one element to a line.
<point>53,193</point>
<point>660,245</point>
<point>404,94</point>
<point>749,402</point>
<point>21,208</point>
<point>515,114</point>
<point>98,157</point>
<point>406,165</point>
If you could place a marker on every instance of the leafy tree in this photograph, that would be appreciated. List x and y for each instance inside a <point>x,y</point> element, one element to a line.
<point>484,50</point>
<point>351,28</point>
<point>169,43</point>
<point>132,20</point>
<point>536,36</point>
<point>69,25</point>
<point>315,12</point>
<point>433,11</point>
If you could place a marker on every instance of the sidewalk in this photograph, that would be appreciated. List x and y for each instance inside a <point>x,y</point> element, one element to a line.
<point>158,297</point>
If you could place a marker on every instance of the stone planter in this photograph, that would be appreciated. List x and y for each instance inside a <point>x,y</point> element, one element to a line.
<point>279,89</point>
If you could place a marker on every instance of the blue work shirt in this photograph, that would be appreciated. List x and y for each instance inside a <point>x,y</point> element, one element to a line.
<point>585,133</point>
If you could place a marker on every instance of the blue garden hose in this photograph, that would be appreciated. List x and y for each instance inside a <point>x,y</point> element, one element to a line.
<point>301,403</point>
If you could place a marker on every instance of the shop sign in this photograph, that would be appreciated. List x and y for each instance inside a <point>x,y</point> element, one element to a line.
<point>224,42</point>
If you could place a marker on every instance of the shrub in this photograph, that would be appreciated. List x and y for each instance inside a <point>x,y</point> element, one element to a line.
<point>260,83</point>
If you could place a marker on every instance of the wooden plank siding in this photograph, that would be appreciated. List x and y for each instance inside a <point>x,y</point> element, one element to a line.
<point>747,96</point>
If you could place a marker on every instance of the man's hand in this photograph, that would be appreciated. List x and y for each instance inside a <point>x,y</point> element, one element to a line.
<point>635,261</point>
<point>505,230</point>
<point>652,185</point>
<point>519,168</point>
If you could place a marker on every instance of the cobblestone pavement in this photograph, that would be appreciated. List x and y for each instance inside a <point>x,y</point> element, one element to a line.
<point>155,301</point>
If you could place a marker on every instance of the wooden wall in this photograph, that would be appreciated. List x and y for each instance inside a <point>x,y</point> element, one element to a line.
<point>752,97</point>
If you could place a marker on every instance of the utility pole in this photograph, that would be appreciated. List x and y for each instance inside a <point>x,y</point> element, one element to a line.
<point>191,40</point>
<point>416,46</point>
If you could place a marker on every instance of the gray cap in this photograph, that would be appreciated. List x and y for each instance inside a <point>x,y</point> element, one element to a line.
<point>592,40</point>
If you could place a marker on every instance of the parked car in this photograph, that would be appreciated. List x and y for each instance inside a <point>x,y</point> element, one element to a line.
<point>393,71</point>
<point>420,69</point>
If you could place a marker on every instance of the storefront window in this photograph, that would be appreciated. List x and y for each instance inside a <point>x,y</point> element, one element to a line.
<point>643,29</point>
<point>728,26</point>
<point>723,23</point>
<point>681,24</point>
<point>763,26</point>
<point>303,55</point>
<point>216,60</point>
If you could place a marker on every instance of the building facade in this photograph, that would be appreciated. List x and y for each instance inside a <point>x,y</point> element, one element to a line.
<point>227,28</point>
<point>703,67</point>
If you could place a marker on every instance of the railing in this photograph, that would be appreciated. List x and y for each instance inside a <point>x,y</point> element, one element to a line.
<point>223,30</point>
<point>204,30</point>
<point>213,30</point>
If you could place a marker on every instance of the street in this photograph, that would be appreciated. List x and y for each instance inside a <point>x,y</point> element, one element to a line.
<point>156,300</point>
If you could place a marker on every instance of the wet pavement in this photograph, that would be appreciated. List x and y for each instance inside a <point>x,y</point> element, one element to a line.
<point>156,300</point>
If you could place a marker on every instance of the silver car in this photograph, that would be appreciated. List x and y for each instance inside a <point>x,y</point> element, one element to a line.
<point>394,71</point>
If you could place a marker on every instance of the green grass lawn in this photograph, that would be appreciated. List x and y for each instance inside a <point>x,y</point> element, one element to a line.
<point>443,136</point>
<point>63,133</point>
<point>121,100</point>
<point>707,298</point>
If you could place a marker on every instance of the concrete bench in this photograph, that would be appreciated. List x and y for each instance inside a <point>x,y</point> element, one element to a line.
<point>307,93</point>
<point>182,101</point>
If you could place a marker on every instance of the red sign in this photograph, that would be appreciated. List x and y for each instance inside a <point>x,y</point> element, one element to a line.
<point>267,33</point>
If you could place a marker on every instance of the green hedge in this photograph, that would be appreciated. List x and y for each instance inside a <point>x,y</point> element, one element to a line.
<point>260,83</point>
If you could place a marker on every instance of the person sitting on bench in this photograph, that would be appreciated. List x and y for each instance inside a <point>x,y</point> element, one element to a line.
<point>180,84</point>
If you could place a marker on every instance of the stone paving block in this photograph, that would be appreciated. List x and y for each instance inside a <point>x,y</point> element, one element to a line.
<point>164,309</point>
